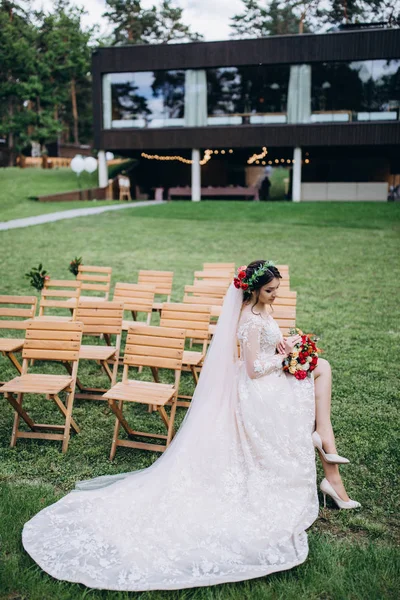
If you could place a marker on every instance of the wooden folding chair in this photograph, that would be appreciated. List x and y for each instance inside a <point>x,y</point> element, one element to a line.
<point>203,298</point>
<point>46,340</point>
<point>209,295</point>
<point>213,276</point>
<point>219,267</point>
<point>100,318</point>
<point>137,298</point>
<point>124,187</point>
<point>162,280</point>
<point>154,347</point>
<point>15,310</point>
<point>285,297</point>
<point>284,271</point>
<point>195,319</point>
<point>59,293</point>
<point>285,316</point>
<point>206,289</point>
<point>228,267</point>
<point>95,279</point>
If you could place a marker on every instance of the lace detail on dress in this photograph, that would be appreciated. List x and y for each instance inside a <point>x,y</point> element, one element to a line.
<point>258,338</point>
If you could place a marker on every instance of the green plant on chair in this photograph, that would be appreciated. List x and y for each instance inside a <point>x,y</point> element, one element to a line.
<point>74,265</point>
<point>37,276</point>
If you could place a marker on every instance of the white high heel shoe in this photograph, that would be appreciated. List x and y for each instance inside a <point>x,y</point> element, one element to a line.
<point>328,490</point>
<point>329,458</point>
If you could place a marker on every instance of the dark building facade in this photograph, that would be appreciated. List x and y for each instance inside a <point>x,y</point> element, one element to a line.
<point>325,106</point>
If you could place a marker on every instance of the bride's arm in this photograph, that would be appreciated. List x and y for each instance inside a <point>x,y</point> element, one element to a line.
<point>256,364</point>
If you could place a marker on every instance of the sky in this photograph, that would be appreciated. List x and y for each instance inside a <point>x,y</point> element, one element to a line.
<point>208,17</point>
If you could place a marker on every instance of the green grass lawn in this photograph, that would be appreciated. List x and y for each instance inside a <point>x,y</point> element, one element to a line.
<point>343,260</point>
<point>17,185</point>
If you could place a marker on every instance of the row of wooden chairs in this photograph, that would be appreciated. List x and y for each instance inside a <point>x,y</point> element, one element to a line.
<point>203,302</point>
<point>97,280</point>
<point>49,338</point>
<point>146,346</point>
<point>140,296</point>
<point>53,340</point>
<point>156,347</point>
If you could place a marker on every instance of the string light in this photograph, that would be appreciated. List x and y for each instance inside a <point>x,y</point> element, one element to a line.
<point>307,161</point>
<point>186,161</point>
<point>256,157</point>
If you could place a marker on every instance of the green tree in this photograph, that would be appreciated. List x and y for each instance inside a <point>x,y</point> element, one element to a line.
<point>169,26</point>
<point>358,11</point>
<point>131,22</point>
<point>134,24</point>
<point>271,18</point>
<point>64,44</point>
<point>274,17</point>
<point>23,117</point>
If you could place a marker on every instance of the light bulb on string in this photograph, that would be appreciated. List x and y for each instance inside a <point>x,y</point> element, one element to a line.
<point>256,157</point>
<point>186,161</point>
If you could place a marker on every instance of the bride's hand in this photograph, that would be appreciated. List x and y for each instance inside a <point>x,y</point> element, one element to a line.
<point>281,347</point>
<point>290,342</point>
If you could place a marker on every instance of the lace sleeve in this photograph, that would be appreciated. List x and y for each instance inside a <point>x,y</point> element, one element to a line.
<point>258,363</point>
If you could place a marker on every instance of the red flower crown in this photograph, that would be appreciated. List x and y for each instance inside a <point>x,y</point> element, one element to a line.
<point>238,281</point>
<point>242,282</point>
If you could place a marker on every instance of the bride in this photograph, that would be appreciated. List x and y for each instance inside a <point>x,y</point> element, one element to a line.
<point>233,495</point>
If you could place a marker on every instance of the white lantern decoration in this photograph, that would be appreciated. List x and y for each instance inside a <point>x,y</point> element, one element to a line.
<point>109,156</point>
<point>90,164</point>
<point>78,164</point>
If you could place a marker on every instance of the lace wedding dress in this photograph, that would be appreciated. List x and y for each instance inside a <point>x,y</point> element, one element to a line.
<point>229,500</point>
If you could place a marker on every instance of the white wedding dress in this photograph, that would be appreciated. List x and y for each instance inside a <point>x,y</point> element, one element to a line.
<point>229,500</point>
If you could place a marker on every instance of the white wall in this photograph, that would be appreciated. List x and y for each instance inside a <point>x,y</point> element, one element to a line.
<point>375,191</point>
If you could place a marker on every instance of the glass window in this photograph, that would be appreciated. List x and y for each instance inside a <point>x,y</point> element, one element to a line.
<point>249,94</point>
<point>147,99</point>
<point>359,90</point>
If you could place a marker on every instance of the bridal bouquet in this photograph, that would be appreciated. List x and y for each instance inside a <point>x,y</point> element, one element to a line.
<point>304,358</point>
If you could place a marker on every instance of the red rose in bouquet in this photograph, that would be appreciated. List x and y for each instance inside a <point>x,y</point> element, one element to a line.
<point>304,358</point>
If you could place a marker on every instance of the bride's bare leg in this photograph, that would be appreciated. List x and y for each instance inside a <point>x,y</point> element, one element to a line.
<point>323,425</point>
<point>323,393</point>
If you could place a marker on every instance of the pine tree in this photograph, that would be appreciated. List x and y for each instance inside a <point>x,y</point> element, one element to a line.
<point>135,25</point>
<point>359,11</point>
<point>270,18</point>
<point>169,26</point>
<point>132,24</point>
<point>23,117</point>
<point>65,45</point>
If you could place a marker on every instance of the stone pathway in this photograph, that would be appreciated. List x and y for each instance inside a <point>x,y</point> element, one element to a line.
<point>71,214</point>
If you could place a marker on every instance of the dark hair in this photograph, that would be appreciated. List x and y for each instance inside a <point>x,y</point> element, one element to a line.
<point>270,274</point>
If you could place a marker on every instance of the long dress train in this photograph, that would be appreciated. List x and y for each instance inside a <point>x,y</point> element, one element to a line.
<point>229,500</point>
